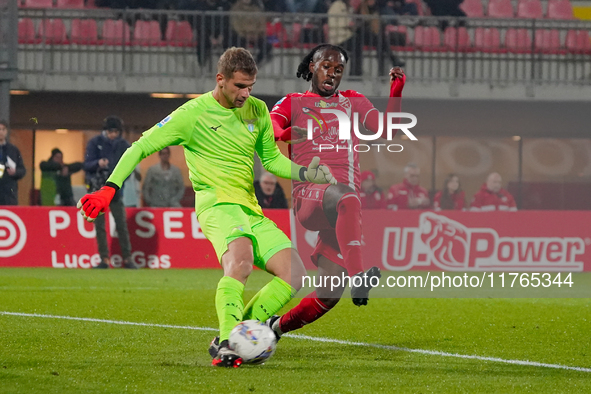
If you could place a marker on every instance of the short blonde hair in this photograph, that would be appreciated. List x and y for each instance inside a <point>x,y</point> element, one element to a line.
<point>236,59</point>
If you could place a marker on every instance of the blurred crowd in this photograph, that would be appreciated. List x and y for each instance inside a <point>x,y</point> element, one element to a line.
<point>409,194</point>
<point>163,185</point>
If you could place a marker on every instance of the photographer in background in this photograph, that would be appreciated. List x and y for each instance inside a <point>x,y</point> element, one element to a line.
<point>12,168</point>
<point>56,180</point>
<point>102,155</point>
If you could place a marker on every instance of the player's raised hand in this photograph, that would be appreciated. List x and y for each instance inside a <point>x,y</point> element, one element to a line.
<point>94,204</point>
<point>397,81</point>
<point>317,173</point>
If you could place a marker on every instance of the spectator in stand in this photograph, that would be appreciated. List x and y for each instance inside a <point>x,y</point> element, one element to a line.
<point>371,196</point>
<point>492,196</point>
<point>12,168</point>
<point>408,194</point>
<point>103,152</point>
<point>343,31</point>
<point>164,185</point>
<point>303,6</point>
<point>451,196</point>
<point>215,27</point>
<point>373,35</point>
<point>397,7</point>
<point>249,25</point>
<point>269,193</point>
<point>56,180</point>
<point>280,5</point>
<point>446,8</point>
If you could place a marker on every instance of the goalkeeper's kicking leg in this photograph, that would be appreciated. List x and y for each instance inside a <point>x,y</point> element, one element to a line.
<point>237,263</point>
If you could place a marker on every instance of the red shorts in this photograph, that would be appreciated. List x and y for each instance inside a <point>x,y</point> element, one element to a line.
<point>307,206</point>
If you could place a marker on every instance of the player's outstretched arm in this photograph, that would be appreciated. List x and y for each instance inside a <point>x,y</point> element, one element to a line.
<point>397,81</point>
<point>171,131</point>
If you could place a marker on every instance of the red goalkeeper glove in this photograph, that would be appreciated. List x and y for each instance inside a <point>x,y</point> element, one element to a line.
<point>94,204</point>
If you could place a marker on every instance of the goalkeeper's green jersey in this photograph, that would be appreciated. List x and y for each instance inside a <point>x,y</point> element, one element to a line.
<point>219,148</point>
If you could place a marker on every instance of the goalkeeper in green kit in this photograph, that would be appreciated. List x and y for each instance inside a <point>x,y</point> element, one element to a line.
<point>220,131</point>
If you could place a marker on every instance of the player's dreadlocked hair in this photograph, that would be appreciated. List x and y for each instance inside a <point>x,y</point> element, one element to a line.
<point>304,67</point>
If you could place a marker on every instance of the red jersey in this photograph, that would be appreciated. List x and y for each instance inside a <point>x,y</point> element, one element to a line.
<point>399,194</point>
<point>458,199</point>
<point>296,109</point>
<point>373,200</point>
<point>486,200</point>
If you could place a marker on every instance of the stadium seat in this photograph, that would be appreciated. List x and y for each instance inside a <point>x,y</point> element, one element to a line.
<point>277,33</point>
<point>147,33</point>
<point>26,32</point>
<point>71,4</point>
<point>84,32</point>
<point>457,39</point>
<point>115,32</point>
<point>309,35</point>
<point>487,40</point>
<point>530,9</point>
<point>548,41</point>
<point>179,34</point>
<point>427,39</point>
<point>38,4</point>
<point>500,9</point>
<point>560,9</point>
<point>396,39</point>
<point>578,41</point>
<point>518,41</point>
<point>53,31</point>
<point>473,8</point>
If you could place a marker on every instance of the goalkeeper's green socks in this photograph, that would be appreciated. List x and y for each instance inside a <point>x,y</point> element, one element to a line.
<point>229,302</point>
<point>269,300</point>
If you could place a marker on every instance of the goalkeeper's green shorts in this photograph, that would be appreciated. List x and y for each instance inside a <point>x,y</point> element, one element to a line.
<point>223,223</point>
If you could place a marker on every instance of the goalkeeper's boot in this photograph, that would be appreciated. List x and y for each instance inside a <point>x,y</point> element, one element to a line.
<point>360,294</point>
<point>104,264</point>
<point>214,347</point>
<point>227,357</point>
<point>273,324</point>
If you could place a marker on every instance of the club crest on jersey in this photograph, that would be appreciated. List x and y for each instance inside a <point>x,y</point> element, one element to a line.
<point>164,121</point>
<point>250,124</point>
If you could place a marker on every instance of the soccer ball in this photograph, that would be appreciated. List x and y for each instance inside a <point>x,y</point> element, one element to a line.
<point>254,341</point>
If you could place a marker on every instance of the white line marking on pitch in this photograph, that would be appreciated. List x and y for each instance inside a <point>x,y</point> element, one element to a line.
<point>317,339</point>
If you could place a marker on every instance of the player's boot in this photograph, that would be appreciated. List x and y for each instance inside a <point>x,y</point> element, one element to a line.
<point>104,264</point>
<point>360,294</point>
<point>214,347</point>
<point>226,357</point>
<point>273,324</point>
<point>130,265</point>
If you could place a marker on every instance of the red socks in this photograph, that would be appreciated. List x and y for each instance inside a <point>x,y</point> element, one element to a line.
<point>348,231</point>
<point>307,311</point>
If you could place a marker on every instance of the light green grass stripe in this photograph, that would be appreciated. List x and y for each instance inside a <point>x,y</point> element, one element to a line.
<point>317,339</point>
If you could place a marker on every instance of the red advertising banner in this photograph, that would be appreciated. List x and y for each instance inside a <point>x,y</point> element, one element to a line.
<point>59,237</point>
<point>394,240</point>
<point>472,241</point>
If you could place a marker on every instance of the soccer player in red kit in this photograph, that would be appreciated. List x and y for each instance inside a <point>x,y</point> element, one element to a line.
<point>335,211</point>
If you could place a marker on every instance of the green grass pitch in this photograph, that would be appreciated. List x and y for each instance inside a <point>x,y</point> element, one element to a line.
<point>51,355</point>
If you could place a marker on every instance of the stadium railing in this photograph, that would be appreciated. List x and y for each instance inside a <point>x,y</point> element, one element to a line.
<point>143,43</point>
